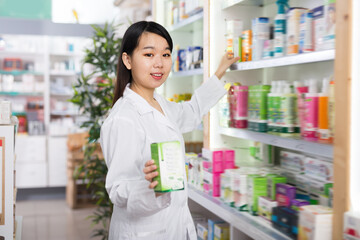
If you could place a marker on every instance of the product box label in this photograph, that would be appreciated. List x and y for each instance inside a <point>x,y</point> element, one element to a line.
<point>168,159</point>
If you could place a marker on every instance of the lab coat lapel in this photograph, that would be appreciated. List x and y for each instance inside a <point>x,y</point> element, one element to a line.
<point>143,107</point>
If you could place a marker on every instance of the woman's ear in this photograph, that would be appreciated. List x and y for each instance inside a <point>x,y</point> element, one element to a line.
<point>126,60</point>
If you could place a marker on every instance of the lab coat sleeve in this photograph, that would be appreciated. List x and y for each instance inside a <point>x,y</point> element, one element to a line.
<point>122,142</point>
<point>189,114</point>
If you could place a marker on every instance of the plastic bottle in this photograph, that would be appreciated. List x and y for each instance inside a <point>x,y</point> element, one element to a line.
<point>311,119</point>
<point>271,108</point>
<point>332,109</point>
<point>280,29</point>
<point>288,109</point>
<point>301,105</point>
<point>323,115</point>
<point>241,94</point>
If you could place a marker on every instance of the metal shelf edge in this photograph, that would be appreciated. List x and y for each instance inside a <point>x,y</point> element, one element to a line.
<point>320,149</point>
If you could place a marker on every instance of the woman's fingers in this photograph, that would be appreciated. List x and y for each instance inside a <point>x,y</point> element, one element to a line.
<point>150,176</point>
<point>153,184</point>
<point>149,167</point>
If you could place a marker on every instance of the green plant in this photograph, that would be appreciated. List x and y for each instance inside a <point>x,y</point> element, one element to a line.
<point>93,94</point>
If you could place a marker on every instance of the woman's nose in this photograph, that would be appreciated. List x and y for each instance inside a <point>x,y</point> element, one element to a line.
<point>158,62</point>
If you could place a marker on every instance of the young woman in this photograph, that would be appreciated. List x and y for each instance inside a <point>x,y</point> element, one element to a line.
<point>139,117</point>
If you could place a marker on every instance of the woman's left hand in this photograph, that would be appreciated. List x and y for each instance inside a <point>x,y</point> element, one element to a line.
<point>224,64</point>
<point>150,173</point>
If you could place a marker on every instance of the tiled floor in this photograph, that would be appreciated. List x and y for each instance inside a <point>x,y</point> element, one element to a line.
<point>53,220</point>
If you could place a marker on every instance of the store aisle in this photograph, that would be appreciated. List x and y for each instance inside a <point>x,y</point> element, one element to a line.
<point>53,220</point>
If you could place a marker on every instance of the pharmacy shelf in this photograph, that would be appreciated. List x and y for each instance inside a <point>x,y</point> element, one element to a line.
<point>231,3</point>
<point>253,226</point>
<point>319,149</point>
<point>68,54</point>
<point>7,53</point>
<point>320,56</point>
<point>63,73</point>
<point>64,113</point>
<point>37,94</point>
<point>187,24</point>
<point>19,221</point>
<point>19,72</point>
<point>193,72</point>
<point>61,95</point>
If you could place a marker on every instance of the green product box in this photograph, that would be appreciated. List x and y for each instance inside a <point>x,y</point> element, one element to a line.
<point>256,187</point>
<point>272,180</point>
<point>260,107</point>
<point>168,159</point>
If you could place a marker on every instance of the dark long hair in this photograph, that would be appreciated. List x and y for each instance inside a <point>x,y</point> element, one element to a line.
<point>129,42</point>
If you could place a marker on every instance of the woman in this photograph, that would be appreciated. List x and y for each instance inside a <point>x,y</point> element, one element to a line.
<point>140,117</point>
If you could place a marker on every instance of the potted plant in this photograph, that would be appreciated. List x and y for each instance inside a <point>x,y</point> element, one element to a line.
<point>93,94</point>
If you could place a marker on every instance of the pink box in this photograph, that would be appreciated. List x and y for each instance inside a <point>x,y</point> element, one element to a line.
<point>212,182</point>
<point>229,158</point>
<point>207,166</point>
<point>216,158</point>
<point>221,159</point>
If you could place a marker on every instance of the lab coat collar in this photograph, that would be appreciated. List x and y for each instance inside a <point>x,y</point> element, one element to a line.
<point>144,107</point>
<point>141,104</point>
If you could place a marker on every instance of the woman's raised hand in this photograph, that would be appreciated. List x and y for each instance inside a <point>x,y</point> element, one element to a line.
<point>224,64</point>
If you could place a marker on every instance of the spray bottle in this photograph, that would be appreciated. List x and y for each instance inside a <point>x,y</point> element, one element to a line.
<point>301,105</point>
<point>323,115</point>
<point>280,29</point>
<point>311,121</point>
<point>288,108</point>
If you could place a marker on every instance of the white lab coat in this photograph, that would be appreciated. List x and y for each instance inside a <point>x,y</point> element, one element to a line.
<point>126,135</point>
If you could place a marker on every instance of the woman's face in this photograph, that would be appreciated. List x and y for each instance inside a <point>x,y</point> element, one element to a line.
<point>150,62</point>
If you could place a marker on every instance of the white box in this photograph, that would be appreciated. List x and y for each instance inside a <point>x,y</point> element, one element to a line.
<point>292,161</point>
<point>202,231</point>
<point>352,226</point>
<point>315,223</point>
<point>57,161</point>
<point>318,169</point>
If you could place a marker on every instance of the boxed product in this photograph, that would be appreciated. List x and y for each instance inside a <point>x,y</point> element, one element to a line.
<point>246,51</point>
<point>196,172</point>
<point>216,159</point>
<point>352,226</point>
<point>285,193</point>
<point>293,29</point>
<point>285,220</point>
<point>225,193</point>
<point>315,223</point>
<point>261,33</point>
<point>297,203</point>
<point>222,231</point>
<point>228,158</point>
<point>202,231</point>
<point>329,36</point>
<point>318,169</point>
<point>319,27</point>
<point>168,159</point>
<point>265,207</point>
<point>240,189</point>
<point>292,161</point>
<point>272,180</point>
<point>233,37</point>
<point>290,176</point>
<point>306,32</point>
<point>256,187</point>
<point>211,227</point>
<point>212,183</point>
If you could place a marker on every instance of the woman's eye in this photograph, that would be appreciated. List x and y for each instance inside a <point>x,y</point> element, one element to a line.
<point>167,55</point>
<point>148,54</point>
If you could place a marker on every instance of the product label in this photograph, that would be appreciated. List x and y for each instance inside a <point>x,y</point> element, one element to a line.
<point>289,113</point>
<point>279,37</point>
<point>168,158</point>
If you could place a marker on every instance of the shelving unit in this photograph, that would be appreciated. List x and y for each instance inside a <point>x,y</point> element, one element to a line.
<point>56,60</point>
<point>313,57</point>
<point>232,3</point>
<point>187,24</point>
<point>192,72</point>
<point>253,226</point>
<point>319,149</point>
